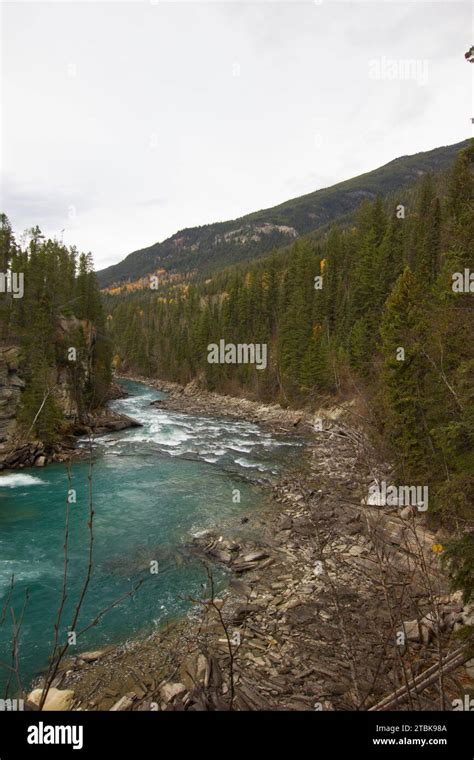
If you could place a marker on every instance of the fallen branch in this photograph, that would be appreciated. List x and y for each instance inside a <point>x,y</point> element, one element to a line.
<point>423,680</point>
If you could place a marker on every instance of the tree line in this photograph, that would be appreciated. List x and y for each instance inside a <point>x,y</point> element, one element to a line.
<point>59,309</point>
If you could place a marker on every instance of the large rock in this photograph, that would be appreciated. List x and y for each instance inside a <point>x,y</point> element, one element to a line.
<point>419,630</point>
<point>470,669</point>
<point>255,556</point>
<point>92,656</point>
<point>56,699</point>
<point>11,386</point>
<point>16,382</point>
<point>170,691</point>
<point>412,630</point>
<point>195,671</point>
<point>110,422</point>
<point>468,615</point>
<point>221,555</point>
<point>356,551</point>
<point>124,703</point>
<point>12,357</point>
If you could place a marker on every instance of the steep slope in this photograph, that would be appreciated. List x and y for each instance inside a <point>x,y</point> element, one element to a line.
<point>54,357</point>
<point>209,247</point>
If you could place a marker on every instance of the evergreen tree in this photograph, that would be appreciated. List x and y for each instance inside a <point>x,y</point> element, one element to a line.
<point>403,400</point>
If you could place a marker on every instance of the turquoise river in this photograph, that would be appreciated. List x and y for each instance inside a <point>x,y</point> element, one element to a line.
<point>153,487</point>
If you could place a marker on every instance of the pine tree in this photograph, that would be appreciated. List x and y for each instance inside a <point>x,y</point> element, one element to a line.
<point>404,369</point>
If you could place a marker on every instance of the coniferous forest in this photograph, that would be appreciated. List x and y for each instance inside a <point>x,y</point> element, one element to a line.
<point>375,312</point>
<point>374,309</point>
<point>60,309</point>
<point>237,377</point>
<point>216,418</point>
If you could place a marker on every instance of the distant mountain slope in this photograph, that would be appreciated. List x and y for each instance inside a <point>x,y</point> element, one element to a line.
<point>206,248</point>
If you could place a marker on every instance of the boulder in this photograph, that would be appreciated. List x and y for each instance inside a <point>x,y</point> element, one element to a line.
<point>470,668</point>
<point>412,630</point>
<point>467,615</point>
<point>16,382</point>
<point>91,656</point>
<point>356,551</point>
<point>221,555</point>
<point>170,691</point>
<point>241,612</point>
<point>450,619</point>
<point>240,588</point>
<point>418,631</point>
<point>56,699</point>
<point>195,671</point>
<point>254,556</point>
<point>12,358</point>
<point>125,703</point>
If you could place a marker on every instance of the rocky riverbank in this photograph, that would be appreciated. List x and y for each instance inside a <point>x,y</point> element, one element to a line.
<point>193,399</point>
<point>331,603</point>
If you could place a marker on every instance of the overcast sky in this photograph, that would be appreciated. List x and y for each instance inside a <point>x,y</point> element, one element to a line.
<point>124,122</point>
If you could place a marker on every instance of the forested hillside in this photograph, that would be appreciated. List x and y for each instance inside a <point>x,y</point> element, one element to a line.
<point>203,250</point>
<point>375,309</point>
<point>52,334</point>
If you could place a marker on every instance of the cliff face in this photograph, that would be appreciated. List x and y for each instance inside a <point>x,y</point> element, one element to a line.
<point>11,385</point>
<point>12,381</point>
<point>17,449</point>
<point>68,329</point>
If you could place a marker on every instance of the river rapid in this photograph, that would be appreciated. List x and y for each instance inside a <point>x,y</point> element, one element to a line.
<point>153,488</point>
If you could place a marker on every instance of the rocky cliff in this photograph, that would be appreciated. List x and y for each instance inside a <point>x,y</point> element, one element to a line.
<point>11,385</point>
<point>18,447</point>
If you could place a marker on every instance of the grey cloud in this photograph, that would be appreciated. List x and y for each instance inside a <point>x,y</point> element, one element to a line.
<point>28,205</point>
<point>153,129</point>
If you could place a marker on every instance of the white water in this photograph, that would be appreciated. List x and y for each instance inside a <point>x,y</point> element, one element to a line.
<point>19,479</point>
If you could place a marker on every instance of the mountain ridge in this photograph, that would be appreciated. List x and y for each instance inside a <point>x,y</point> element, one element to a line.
<point>216,245</point>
